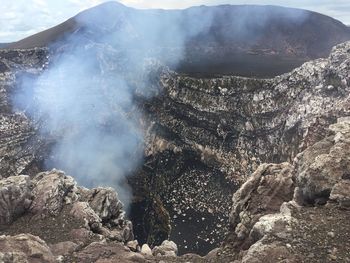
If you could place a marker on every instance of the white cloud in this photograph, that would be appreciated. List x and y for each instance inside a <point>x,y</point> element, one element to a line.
<point>21,18</point>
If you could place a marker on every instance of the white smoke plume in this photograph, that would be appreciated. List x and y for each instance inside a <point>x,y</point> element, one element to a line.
<point>84,98</point>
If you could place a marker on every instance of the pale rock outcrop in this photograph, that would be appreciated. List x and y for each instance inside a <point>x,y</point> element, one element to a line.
<point>324,165</point>
<point>82,211</point>
<point>54,194</point>
<point>52,190</point>
<point>103,252</point>
<point>278,224</point>
<point>24,248</point>
<point>105,203</point>
<point>167,248</point>
<point>262,194</point>
<point>146,250</point>
<point>318,176</point>
<point>15,197</point>
<point>341,194</point>
<point>269,252</point>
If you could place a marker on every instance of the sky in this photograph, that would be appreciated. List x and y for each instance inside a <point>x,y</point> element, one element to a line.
<point>22,18</point>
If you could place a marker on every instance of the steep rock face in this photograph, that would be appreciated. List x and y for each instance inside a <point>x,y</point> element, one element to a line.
<point>19,143</point>
<point>293,230</point>
<point>264,192</point>
<point>268,119</point>
<point>203,137</point>
<point>323,168</point>
<point>268,221</point>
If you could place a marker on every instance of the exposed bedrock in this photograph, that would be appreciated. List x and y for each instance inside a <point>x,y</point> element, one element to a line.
<point>203,137</point>
<point>295,212</point>
<point>55,196</point>
<point>24,248</point>
<point>51,210</point>
<point>280,214</point>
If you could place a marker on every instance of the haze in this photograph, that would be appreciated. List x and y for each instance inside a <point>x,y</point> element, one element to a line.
<point>23,18</point>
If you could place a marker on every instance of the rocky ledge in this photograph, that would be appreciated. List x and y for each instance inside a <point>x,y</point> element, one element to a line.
<point>284,212</point>
<point>296,212</point>
<point>51,208</point>
<point>204,138</point>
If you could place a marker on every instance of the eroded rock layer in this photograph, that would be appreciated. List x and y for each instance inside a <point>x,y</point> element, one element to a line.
<point>282,213</point>
<point>204,137</point>
<point>270,223</point>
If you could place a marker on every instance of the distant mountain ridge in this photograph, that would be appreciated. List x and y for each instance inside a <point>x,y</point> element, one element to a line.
<point>226,39</point>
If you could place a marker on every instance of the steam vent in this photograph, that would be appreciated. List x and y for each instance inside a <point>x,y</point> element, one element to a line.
<point>205,135</point>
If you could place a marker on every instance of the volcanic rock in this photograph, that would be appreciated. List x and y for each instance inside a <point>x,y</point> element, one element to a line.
<point>54,203</point>
<point>20,145</point>
<point>167,248</point>
<point>322,166</point>
<point>200,145</point>
<point>341,194</point>
<point>282,235</point>
<point>146,250</point>
<point>63,248</point>
<point>106,252</point>
<point>24,248</point>
<point>133,245</point>
<point>52,190</point>
<point>82,211</point>
<point>203,138</point>
<point>273,252</point>
<point>105,203</point>
<point>263,194</point>
<point>16,198</point>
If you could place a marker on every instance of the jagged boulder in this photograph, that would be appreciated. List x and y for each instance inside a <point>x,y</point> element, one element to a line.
<point>167,248</point>
<point>82,211</point>
<point>61,209</point>
<point>24,248</point>
<point>322,168</point>
<point>277,224</point>
<point>262,194</point>
<point>63,248</point>
<point>52,190</point>
<point>105,203</point>
<point>146,250</point>
<point>103,213</point>
<point>341,194</point>
<point>281,231</point>
<point>15,197</point>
